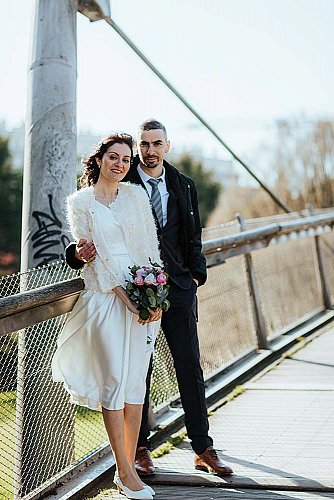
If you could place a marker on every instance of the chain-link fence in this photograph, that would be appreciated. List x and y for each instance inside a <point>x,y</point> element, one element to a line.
<point>42,435</point>
<point>35,278</point>
<point>327,250</point>
<point>289,284</point>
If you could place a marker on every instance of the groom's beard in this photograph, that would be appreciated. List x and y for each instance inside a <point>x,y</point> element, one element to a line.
<point>151,162</point>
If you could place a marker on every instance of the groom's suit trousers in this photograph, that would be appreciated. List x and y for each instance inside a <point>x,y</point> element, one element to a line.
<point>180,329</point>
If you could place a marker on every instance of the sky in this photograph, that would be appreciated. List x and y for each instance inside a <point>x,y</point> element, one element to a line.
<point>242,64</point>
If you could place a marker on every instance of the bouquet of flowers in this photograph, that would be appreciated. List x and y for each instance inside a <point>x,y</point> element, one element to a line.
<point>148,288</point>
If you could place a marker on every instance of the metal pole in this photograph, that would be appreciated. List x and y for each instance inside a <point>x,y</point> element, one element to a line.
<point>255,296</point>
<point>171,87</point>
<point>44,417</point>
<point>326,296</point>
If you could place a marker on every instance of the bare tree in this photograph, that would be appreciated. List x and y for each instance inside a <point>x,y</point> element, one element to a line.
<point>304,158</point>
<point>302,161</point>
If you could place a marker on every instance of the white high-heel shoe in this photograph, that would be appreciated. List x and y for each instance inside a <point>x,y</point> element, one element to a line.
<point>143,494</point>
<point>148,488</point>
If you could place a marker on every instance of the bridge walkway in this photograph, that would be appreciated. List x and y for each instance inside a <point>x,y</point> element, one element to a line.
<point>277,435</point>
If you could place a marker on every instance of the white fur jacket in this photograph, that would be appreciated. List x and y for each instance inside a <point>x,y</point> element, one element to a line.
<point>133,211</point>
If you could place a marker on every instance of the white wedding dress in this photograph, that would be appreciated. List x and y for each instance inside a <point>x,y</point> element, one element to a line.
<point>103,352</point>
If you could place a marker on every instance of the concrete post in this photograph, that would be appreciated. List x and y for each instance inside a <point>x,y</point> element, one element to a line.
<point>50,148</point>
<point>45,419</point>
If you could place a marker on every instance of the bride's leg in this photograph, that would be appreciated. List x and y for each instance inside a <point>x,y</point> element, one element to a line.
<point>114,421</point>
<point>132,421</point>
<point>139,359</point>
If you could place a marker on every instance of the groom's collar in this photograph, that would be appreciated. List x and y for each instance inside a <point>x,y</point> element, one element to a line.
<point>145,177</point>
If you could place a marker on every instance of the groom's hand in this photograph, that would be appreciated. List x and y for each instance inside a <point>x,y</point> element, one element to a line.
<point>85,251</point>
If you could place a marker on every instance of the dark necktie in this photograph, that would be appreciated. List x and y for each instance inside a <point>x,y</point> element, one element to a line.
<point>156,199</point>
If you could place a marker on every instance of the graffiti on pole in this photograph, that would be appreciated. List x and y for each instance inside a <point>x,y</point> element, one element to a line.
<point>48,237</point>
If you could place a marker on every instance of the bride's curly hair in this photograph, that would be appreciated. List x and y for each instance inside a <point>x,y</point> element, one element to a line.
<point>91,170</point>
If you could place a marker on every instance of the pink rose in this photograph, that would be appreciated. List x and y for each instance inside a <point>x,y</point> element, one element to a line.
<point>161,279</point>
<point>150,279</point>
<point>139,280</point>
<point>140,272</point>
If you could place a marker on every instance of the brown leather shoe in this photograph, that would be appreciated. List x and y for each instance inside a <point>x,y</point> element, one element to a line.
<point>208,461</point>
<point>143,461</point>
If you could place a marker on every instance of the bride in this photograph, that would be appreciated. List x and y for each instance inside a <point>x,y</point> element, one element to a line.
<point>103,355</point>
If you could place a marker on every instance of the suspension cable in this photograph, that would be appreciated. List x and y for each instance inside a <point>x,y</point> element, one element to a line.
<point>139,53</point>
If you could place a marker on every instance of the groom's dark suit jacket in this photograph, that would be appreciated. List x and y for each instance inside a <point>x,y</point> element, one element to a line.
<point>180,238</point>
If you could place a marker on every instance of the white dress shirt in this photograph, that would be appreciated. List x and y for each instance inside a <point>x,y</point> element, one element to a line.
<point>162,189</point>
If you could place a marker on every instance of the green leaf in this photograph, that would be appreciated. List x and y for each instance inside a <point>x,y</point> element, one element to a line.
<point>152,301</point>
<point>149,292</point>
<point>166,305</point>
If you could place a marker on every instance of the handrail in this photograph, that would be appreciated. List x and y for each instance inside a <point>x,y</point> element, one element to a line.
<point>240,239</point>
<point>267,232</point>
<point>17,311</point>
<point>24,301</point>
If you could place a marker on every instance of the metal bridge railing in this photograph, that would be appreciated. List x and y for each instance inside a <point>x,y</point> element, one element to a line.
<point>261,282</point>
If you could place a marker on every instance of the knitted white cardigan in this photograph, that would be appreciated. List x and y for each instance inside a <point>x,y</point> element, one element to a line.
<point>133,211</point>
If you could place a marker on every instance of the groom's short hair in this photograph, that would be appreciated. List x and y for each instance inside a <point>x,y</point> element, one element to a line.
<point>152,124</point>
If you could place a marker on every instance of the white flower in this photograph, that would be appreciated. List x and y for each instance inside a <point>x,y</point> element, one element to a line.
<point>150,279</point>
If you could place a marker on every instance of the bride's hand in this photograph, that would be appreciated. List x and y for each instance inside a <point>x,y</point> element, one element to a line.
<point>132,307</point>
<point>121,293</point>
<point>155,314</point>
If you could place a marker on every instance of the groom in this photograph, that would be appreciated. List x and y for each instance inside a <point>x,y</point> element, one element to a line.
<point>175,206</point>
